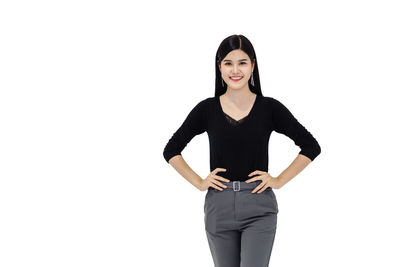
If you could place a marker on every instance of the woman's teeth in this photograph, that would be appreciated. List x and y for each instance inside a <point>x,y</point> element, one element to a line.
<point>236,78</point>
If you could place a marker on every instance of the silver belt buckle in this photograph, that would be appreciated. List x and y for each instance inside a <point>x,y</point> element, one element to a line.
<point>234,185</point>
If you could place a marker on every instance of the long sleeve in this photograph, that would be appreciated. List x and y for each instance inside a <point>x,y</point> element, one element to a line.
<point>285,123</point>
<point>193,125</point>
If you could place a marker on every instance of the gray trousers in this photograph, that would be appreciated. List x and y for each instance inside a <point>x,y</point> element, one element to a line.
<point>240,225</point>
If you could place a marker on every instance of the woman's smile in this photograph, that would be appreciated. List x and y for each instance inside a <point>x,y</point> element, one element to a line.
<point>236,78</point>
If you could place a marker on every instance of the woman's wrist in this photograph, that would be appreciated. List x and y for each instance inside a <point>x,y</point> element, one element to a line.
<point>276,182</point>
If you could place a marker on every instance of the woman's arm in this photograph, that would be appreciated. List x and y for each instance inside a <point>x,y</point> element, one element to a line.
<point>193,125</point>
<point>286,123</point>
<point>180,165</point>
<point>298,164</point>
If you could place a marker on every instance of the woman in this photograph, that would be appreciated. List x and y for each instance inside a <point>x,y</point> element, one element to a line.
<point>240,212</point>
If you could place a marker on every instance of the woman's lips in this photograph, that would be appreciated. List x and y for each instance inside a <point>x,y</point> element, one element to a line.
<point>235,79</point>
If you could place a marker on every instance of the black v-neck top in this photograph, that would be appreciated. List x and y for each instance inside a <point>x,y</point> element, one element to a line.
<point>241,146</point>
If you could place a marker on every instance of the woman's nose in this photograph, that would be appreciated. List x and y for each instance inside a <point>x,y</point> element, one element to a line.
<point>235,69</point>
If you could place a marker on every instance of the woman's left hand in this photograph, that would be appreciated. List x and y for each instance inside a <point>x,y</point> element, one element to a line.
<point>267,181</point>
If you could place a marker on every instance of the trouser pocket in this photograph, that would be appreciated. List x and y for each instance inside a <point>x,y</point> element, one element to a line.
<point>210,212</point>
<point>206,198</point>
<point>268,199</point>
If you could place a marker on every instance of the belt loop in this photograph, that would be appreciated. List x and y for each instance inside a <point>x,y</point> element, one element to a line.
<point>236,183</point>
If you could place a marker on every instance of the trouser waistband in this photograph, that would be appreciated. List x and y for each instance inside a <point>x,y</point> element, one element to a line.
<point>239,186</point>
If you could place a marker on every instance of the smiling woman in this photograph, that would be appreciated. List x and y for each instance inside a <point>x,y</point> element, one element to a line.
<point>236,67</point>
<point>239,120</point>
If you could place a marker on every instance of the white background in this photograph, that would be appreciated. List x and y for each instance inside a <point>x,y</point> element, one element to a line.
<point>91,91</point>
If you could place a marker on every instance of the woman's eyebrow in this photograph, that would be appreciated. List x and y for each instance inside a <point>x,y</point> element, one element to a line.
<point>244,59</point>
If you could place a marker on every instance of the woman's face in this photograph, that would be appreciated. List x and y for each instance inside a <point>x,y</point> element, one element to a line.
<point>236,69</point>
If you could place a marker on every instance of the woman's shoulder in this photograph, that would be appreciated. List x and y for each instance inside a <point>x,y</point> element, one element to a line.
<point>205,102</point>
<point>208,99</point>
<point>203,105</point>
<point>273,104</point>
<point>269,101</point>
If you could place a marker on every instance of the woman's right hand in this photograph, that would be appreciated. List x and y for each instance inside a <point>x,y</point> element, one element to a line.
<point>213,180</point>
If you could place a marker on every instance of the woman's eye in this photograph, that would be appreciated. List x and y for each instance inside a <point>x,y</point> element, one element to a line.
<point>242,63</point>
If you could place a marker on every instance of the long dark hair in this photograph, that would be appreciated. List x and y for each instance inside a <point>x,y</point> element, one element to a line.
<point>230,43</point>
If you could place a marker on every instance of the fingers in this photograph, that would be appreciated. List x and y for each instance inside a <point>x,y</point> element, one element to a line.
<point>221,178</point>
<point>262,186</point>
<point>255,172</point>
<point>218,170</point>
<point>259,177</point>
<point>213,179</point>
<point>255,178</point>
<point>256,189</point>
<point>215,183</point>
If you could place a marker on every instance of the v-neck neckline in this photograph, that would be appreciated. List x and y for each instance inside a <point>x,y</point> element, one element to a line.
<point>241,120</point>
